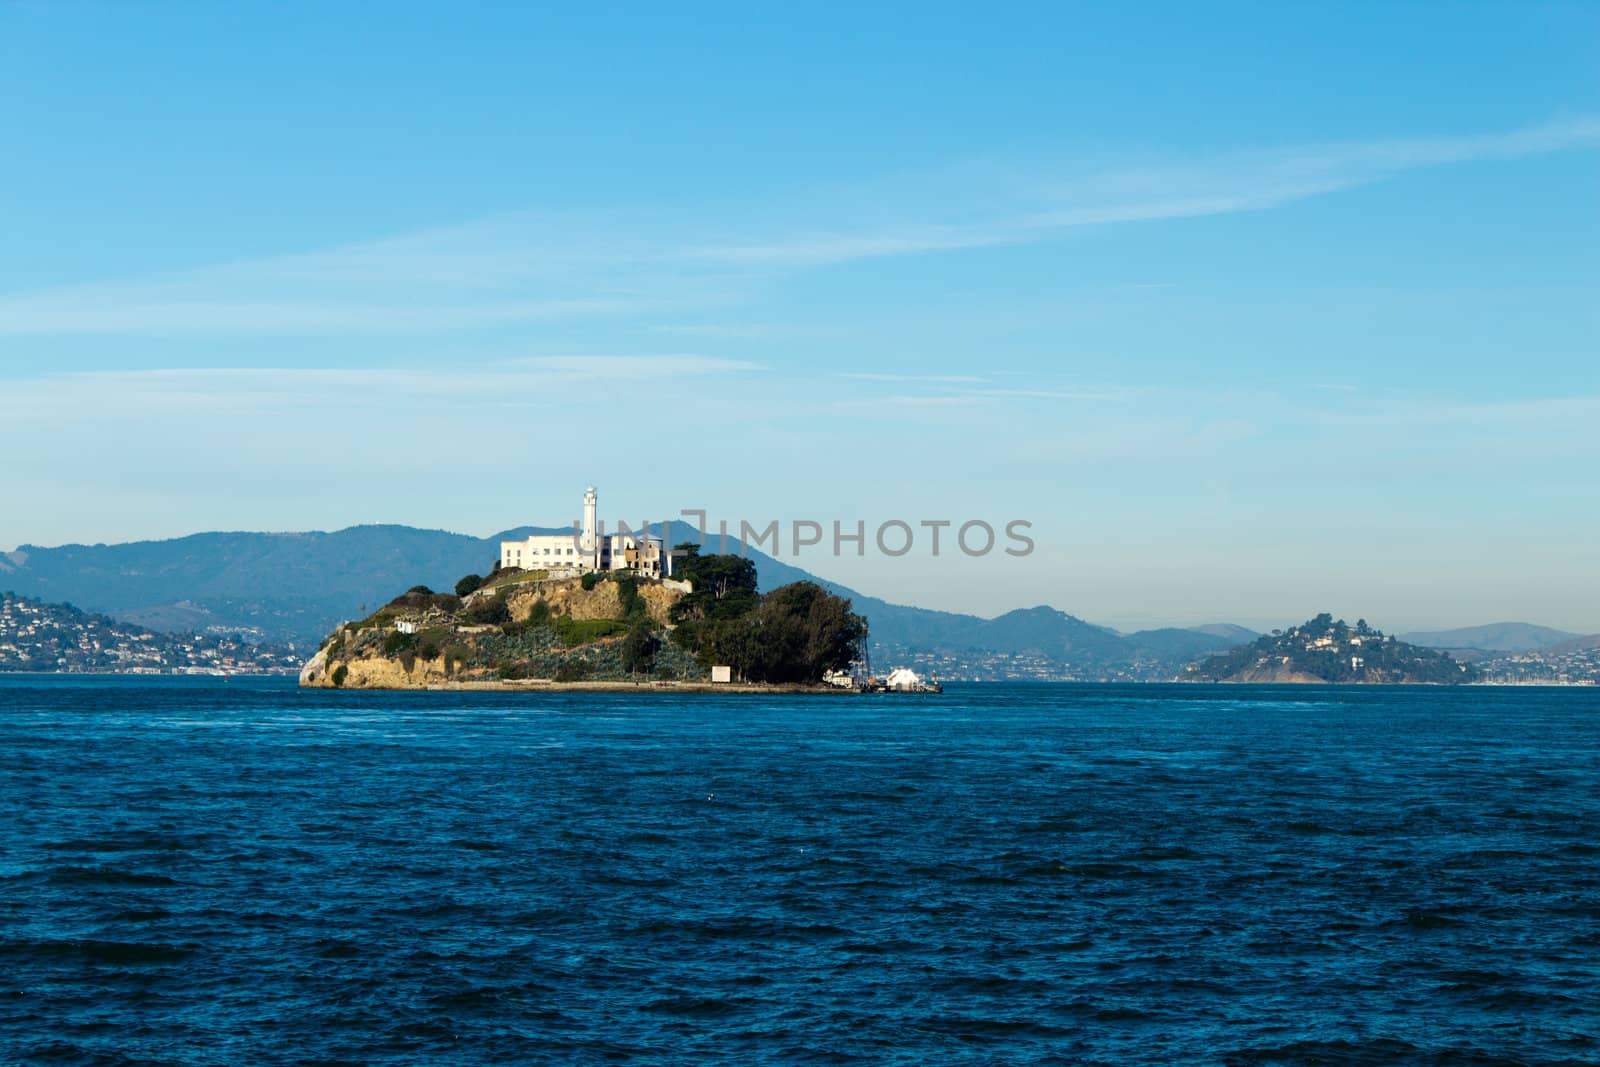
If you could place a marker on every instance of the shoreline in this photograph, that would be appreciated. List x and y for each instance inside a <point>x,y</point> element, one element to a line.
<point>735,687</point>
<point>545,685</point>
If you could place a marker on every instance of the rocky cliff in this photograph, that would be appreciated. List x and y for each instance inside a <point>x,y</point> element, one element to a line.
<point>519,626</point>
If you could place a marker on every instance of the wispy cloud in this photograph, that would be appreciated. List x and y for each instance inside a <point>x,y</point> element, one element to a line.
<point>1051,394</point>
<point>1546,413</point>
<point>129,313</point>
<point>736,330</point>
<point>630,368</point>
<point>955,391</point>
<point>530,267</point>
<point>972,389</point>
<point>533,381</point>
<point>930,378</point>
<point>908,400</point>
<point>1240,182</point>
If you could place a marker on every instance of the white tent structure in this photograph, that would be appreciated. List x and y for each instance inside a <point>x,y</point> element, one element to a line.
<point>904,680</point>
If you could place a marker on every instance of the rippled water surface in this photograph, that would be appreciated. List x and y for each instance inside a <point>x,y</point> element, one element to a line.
<point>199,872</point>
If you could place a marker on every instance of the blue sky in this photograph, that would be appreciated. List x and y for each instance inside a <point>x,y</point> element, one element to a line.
<point>1252,310</point>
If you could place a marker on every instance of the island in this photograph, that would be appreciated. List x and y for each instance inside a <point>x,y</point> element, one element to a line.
<point>623,626</point>
<point>1325,651</point>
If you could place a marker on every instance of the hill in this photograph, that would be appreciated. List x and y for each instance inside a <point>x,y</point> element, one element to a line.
<point>1576,644</point>
<point>1325,650</point>
<point>606,627</point>
<point>1187,644</point>
<point>286,586</point>
<point>1494,637</point>
<point>59,638</point>
<point>1237,635</point>
<point>297,587</point>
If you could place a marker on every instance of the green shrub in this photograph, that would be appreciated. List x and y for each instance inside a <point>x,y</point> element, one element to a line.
<point>419,590</point>
<point>414,601</point>
<point>429,649</point>
<point>588,580</point>
<point>340,673</point>
<point>469,584</point>
<point>455,656</point>
<point>510,671</point>
<point>517,629</point>
<point>490,611</point>
<point>572,670</point>
<point>376,619</point>
<point>583,631</point>
<point>633,605</point>
<point>395,641</point>
<point>639,649</point>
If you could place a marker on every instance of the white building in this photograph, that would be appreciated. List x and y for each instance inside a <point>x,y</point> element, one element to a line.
<point>588,549</point>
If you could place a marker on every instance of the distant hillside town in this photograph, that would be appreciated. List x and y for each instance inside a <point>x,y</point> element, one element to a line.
<point>1567,663</point>
<point>58,638</point>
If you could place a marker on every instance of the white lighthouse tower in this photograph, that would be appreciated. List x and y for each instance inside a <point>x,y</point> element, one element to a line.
<point>589,543</point>
<point>587,549</point>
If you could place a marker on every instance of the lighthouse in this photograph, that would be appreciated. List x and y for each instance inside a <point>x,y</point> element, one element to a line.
<point>586,548</point>
<point>590,542</point>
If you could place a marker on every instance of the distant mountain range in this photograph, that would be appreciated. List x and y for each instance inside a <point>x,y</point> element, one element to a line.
<point>1495,637</point>
<point>289,586</point>
<point>295,587</point>
<point>1576,644</point>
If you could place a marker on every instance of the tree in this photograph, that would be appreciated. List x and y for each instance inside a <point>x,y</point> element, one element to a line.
<point>491,611</point>
<point>639,649</point>
<point>469,584</point>
<point>796,634</point>
<point>395,641</point>
<point>572,671</point>
<point>724,586</point>
<point>633,605</point>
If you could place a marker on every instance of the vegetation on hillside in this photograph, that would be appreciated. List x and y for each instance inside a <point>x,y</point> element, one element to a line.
<point>600,626</point>
<point>511,626</point>
<point>796,633</point>
<point>1329,650</point>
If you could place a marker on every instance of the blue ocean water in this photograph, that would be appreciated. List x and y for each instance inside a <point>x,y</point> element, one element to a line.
<point>195,872</point>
